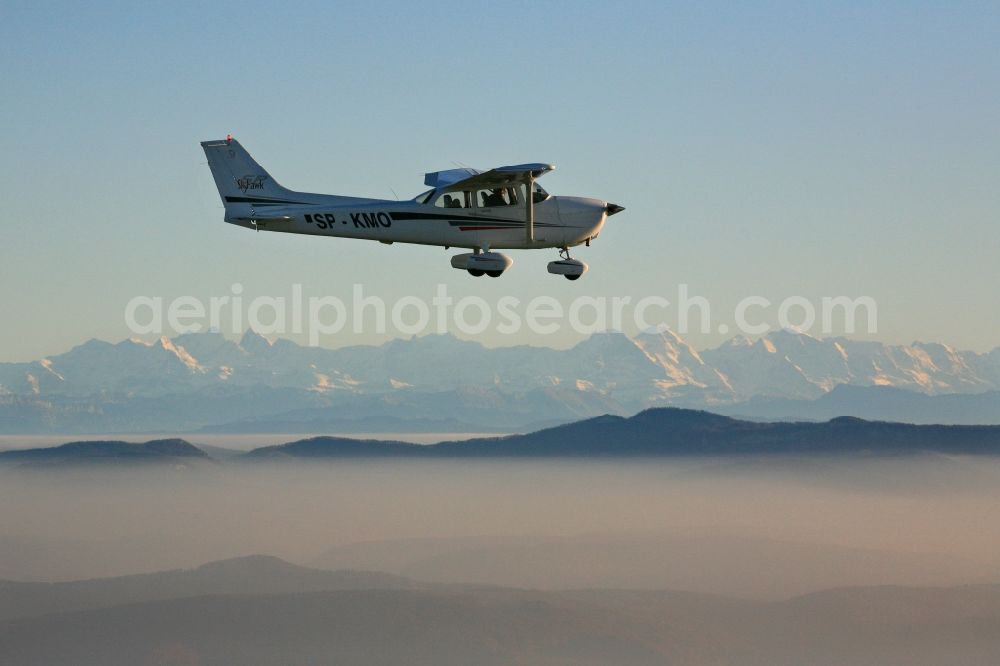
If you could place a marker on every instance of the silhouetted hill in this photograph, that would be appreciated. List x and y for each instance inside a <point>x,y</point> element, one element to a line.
<point>107,452</point>
<point>256,574</point>
<point>335,447</point>
<point>675,432</point>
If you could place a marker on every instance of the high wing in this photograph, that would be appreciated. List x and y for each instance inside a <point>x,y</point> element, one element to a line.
<point>437,179</point>
<point>498,177</point>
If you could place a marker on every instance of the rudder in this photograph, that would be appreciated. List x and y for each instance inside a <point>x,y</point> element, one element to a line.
<point>238,177</point>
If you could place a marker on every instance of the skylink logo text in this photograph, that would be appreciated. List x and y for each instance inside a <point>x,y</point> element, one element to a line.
<point>250,183</point>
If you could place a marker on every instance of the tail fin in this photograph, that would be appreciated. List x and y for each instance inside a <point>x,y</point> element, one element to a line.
<point>238,176</point>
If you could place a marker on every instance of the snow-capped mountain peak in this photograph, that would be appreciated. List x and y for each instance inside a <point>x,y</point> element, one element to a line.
<point>654,368</point>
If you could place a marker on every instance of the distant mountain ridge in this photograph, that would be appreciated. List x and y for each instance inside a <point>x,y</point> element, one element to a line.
<point>877,403</point>
<point>664,431</point>
<point>199,380</point>
<point>672,432</point>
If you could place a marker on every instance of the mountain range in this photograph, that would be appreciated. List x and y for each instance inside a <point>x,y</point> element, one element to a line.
<point>655,432</point>
<point>673,432</point>
<point>206,380</point>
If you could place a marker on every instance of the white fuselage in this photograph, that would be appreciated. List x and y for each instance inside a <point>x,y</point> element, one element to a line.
<point>558,221</point>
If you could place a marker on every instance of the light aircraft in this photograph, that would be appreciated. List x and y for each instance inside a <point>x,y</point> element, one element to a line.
<point>483,211</point>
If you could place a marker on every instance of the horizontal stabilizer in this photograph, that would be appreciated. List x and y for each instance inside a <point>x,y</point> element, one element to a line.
<point>270,213</point>
<point>264,218</point>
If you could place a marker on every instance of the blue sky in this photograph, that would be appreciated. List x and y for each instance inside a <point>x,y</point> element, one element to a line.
<point>767,148</point>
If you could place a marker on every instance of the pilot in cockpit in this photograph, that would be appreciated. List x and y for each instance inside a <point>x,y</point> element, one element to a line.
<point>495,198</point>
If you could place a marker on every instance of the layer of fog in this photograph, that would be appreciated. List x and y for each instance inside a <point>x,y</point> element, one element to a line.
<point>778,527</point>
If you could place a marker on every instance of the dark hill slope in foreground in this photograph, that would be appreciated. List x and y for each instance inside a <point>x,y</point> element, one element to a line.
<point>858,626</point>
<point>674,432</point>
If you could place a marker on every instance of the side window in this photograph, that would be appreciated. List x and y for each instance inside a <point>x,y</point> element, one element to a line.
<point>454,200</point>
<point>497,196</point>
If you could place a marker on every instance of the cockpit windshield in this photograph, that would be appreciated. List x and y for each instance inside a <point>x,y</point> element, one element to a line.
<point>453,199</point>
<point>495,197</point>
<point>511,195</point>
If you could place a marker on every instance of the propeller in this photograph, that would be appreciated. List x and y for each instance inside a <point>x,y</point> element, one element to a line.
<point>613,208</point>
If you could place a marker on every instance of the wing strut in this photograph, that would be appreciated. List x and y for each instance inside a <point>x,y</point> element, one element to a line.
<point>529,208</point>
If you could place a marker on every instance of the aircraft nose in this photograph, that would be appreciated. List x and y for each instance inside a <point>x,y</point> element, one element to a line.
<point>613,208</point>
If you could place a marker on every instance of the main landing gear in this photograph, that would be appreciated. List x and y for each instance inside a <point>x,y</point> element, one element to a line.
<point>569,268</point>
<point>483,262</point>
